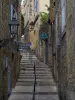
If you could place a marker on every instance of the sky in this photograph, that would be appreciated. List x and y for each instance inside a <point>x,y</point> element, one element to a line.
<point>22,2</point>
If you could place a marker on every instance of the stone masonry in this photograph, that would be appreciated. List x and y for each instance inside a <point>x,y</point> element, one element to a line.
<point>7,51</point>
<point>66,64</point>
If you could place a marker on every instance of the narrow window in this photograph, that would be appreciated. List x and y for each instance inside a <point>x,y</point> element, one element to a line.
<point>63,14</point>
<point>13,13</point>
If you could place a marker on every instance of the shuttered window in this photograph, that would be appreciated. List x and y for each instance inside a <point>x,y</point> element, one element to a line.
<point>63,14</point>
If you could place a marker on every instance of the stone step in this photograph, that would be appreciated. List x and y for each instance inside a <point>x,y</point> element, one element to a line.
<point>37,75</point>
<point>32,83</point>
<point>23,61</point>
<point>32,72</point>
<point>37,71</point>
<point>43,72</point>
<point>28,72</point>
<point>25,58</point>
<point>20,96</point>
<point>32,77</point>
<point>25,83</point>
<point>32,66</point>
<point>25,80</point>
<point>45,84</point>
<point>22,89</point>
<point>26,77</point>
<point>29,58</point>
<point>44,77</point>
<point>47,97</point>
<point>46,89</point>
<point>32,69</point>
<point>27,63</point>
<point>27,68</point>
<point>45,80</point>
<point>38,81</point>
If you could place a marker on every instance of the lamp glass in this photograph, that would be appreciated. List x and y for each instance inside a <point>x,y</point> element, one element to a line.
<point>14,29</point>
<point>13,26</point>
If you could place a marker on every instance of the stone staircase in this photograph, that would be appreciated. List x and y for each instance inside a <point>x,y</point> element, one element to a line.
<point>45,87</point>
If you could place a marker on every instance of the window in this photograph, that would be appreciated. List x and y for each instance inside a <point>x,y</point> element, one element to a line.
<point>57,37</point>
<point>63,14</point>
<point>13,12</point>
<point>36,5</point>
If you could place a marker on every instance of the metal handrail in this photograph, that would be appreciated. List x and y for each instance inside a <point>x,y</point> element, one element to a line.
<point>34,82</point>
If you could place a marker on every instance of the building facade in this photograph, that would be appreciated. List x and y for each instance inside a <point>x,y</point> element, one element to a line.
<point>42,46</point>
<point>10,58</point>
<point>62,51</point>
<point>33,21</point>
<point>25,11</point>
<point>30,16</point>
<point>66,21</point>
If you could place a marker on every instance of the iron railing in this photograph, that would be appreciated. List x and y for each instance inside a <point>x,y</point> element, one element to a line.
<point>33,98</point>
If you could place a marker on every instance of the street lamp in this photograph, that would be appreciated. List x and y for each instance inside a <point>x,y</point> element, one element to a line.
<point>13,25</point>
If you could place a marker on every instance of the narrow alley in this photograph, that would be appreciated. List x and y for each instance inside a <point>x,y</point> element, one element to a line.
<point>37,49</point>
<point>35,81</point>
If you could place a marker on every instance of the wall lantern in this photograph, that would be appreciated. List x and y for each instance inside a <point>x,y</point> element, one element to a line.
<point>13,26</point>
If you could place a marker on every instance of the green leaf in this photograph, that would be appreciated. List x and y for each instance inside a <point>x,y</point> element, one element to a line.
<point>43,17</point>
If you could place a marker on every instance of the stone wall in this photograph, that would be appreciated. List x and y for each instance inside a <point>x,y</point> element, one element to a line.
<point>70,48</point>
<point>7,50</point>
<point>66,64</point>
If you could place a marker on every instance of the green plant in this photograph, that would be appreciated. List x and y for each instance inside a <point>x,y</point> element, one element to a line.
<point>22,18</point>
<point>44,17</point>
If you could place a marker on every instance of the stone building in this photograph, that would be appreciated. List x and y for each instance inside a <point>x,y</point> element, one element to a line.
<point>25,11</point>
<point>43,28</point>
<point>9,57</point>
<point>66,29</point>
<point>30,18</point>
<point>33,23</point>
<point>34,28</point>
<point>63,44</point>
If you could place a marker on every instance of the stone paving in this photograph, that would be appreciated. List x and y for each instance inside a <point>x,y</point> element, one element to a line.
<point>45,88</point>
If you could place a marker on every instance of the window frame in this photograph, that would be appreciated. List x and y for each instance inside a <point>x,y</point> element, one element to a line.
<point>63,17</point>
